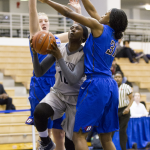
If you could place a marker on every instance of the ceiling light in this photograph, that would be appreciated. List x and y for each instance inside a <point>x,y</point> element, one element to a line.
<point>147,7</point>
<point>23,0</point>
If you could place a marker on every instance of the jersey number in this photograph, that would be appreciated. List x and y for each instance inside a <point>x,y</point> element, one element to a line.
<point>111,50</point>
<point>61,78</point>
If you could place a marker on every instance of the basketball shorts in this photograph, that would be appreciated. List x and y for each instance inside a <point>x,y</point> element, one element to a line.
<point>39,87</point>
<point>97,105</point>
<point>60,107</point>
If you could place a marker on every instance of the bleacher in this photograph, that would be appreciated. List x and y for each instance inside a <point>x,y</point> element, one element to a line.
<point>15,61</point>
<point>12,125</point>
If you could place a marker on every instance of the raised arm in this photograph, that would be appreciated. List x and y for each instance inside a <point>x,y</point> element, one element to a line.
<point>66,11</point>
<point>76,6</point>
<point>33,18</point>
<point>91,9</point>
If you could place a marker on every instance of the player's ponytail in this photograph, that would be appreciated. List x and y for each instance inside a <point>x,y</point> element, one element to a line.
<point>118,35</point>
<point>118,21</point>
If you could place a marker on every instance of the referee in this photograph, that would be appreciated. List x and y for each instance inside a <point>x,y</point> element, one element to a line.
<point>125,102</point>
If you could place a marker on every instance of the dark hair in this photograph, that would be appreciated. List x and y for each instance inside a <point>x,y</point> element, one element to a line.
<point>85,32</point>
<point>126,41</point>
<point>119,72</point>
<point>118,21</point>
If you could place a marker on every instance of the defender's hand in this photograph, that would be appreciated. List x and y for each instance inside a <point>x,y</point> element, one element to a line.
<point>76,5</point>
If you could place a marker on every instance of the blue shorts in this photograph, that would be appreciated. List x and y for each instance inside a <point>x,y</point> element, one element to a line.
<point>39,88</point>
<point>97,105</point>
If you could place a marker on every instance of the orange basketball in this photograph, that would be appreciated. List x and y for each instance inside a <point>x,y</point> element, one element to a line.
<point>42,41</point>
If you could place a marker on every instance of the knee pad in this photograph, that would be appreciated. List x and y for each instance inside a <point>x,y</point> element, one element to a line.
<point>43,110</point>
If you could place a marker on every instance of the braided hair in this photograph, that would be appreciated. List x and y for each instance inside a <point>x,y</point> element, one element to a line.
<point>118,21</point>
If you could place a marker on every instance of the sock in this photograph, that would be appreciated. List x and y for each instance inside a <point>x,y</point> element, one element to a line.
<point>44,133</point>
<point>44,137</point>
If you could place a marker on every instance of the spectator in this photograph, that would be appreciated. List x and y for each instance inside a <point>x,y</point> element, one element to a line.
<point>115,68</point>
<point>138,109</point>
<point>5,99</point>
<point>125,102</point>
<point>127,52</point>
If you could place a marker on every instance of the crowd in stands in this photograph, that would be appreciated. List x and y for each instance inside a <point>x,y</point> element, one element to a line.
<point>127,52</point>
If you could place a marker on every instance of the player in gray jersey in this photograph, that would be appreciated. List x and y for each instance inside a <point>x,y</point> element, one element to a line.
<point>69,77</point>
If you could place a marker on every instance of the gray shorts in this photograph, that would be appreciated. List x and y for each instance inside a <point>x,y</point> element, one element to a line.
<point>60,107</point>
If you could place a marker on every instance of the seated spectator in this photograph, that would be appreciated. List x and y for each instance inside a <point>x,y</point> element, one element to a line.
<point>138,109</point>
<point>115,68</point>
<point>127,52</point>
<point>5,99</point>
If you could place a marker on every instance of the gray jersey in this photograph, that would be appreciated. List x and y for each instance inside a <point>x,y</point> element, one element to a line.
<point>61,85</point>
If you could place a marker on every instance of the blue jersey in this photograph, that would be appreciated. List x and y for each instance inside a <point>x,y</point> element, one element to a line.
<point>51,72</point>
<point>99,52</point>
<point>40,87</point>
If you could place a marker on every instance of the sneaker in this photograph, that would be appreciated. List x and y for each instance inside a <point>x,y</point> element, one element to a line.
<point>50,146</point>
<point>134,146</point>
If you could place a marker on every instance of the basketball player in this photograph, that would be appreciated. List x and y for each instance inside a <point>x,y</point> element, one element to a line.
<point>69,77</point>
<point>97,104</point>
<point>39,87</point>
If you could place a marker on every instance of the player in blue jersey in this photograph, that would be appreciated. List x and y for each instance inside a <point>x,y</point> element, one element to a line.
<point>97,104</point>
<point>40,87</point>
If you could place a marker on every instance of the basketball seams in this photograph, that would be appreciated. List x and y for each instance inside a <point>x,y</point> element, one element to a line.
<point>44,41</point>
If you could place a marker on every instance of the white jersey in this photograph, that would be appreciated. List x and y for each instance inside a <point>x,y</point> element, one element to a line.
<point>61,85</point>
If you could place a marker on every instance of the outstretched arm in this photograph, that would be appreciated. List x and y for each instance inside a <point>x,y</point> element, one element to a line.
<point>33,18</point>
<point>65,11</point>
<point>76,6</point>
<point>91,9</point>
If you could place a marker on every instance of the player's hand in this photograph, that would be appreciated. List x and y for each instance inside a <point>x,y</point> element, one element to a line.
<point>31,45</point>
<point>126,111</point>
<point>75,5</point>
<point>43,1</point>
<point>55,51</point>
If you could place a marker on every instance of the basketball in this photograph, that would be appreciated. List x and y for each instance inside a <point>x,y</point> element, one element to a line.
<point>42,41</point>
